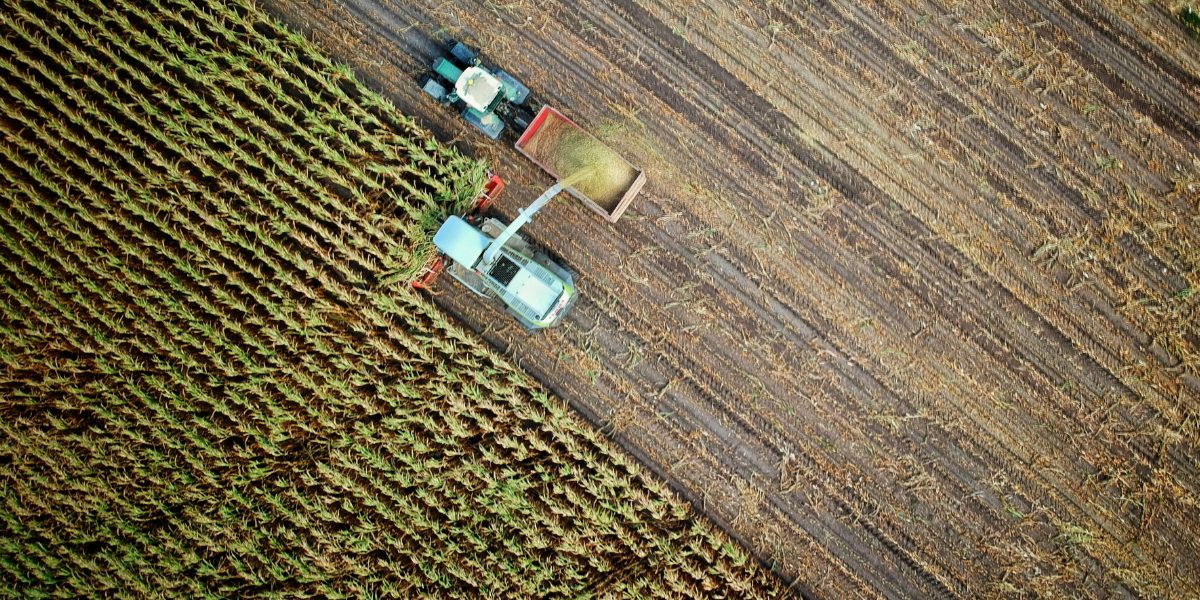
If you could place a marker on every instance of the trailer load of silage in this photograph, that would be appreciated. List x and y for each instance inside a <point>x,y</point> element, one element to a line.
<point>582,162</point>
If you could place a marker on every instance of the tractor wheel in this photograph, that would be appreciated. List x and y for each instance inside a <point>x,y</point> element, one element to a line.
<point>430,85</point>
<point>462,52</point>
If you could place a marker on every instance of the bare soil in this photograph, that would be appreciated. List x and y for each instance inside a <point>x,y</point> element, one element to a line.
<point>909,302</point>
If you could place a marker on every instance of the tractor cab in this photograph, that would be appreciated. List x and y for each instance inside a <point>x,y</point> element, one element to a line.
<point>478,89</point>
<point>537,295</point>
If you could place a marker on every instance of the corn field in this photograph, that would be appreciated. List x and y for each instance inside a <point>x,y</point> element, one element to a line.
<point>213,379</point>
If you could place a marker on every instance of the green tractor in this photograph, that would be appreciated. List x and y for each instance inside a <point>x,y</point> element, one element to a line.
<point>488,98</point>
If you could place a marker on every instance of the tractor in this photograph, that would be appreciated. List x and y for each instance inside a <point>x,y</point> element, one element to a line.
<point>487,97</point>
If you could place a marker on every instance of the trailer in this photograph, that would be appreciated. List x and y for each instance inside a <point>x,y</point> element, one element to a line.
<point>560,147</point>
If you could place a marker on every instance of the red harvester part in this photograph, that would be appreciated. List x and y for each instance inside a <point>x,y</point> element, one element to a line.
<point>433,267</point>
<point>491,191</point>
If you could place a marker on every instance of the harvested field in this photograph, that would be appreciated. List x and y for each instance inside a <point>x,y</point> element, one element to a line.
<point>215,381</point>
<point>909,301</point>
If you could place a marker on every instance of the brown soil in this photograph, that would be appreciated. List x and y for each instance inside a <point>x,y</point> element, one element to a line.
<point>909,302</point>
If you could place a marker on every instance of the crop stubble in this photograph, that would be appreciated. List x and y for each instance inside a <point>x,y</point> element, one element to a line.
<point>909,302</point>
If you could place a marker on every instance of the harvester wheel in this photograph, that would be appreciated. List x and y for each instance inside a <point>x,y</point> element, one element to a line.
<point>430,85</point>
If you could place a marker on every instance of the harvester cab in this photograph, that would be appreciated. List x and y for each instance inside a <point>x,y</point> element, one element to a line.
<point>489,98</point>
<point>493,260</point>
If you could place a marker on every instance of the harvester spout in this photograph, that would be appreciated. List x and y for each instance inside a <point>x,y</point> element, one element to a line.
<point>489,255</point>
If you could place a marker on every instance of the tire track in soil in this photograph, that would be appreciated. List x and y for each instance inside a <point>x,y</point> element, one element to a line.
<point>640,21</point>
<point>930,40</point>
<point>976,135</point>
<point>707,379</point>
<point>987,133</point>
<point>692,372</point>
<point>1129,69</point>
<point>1093,218</point>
